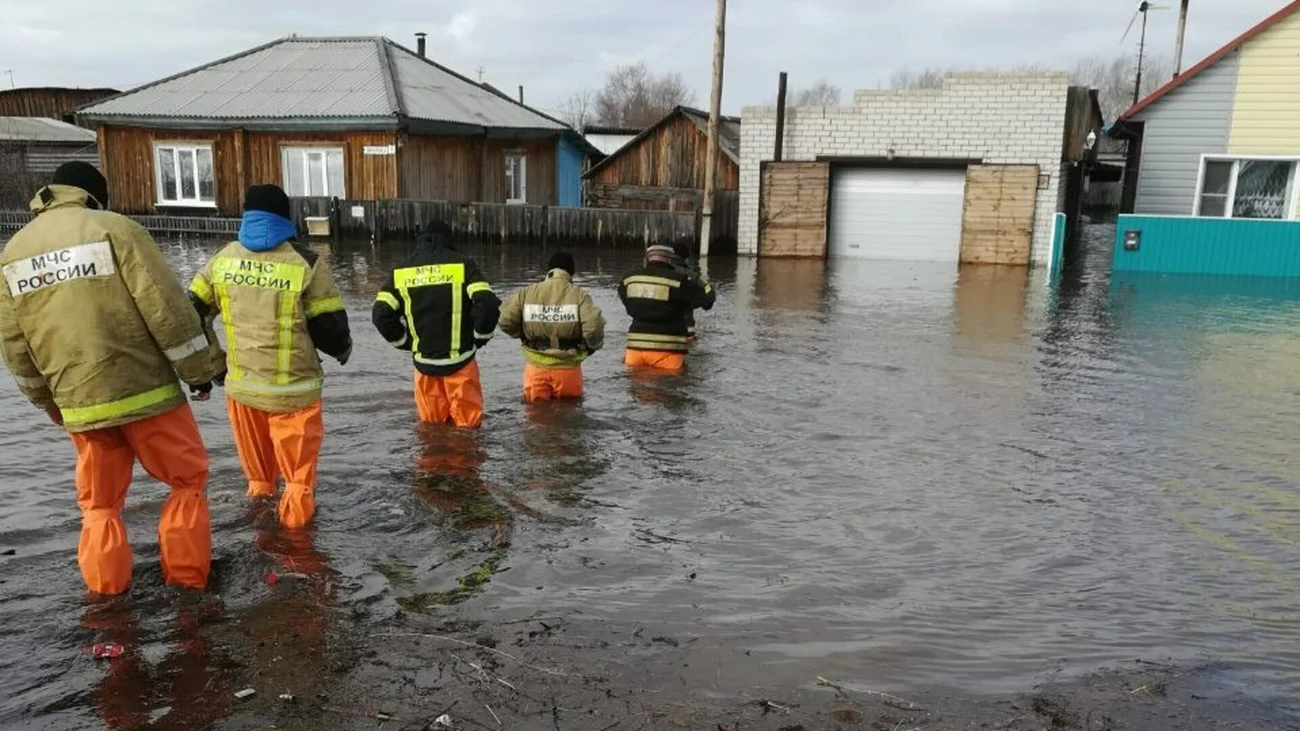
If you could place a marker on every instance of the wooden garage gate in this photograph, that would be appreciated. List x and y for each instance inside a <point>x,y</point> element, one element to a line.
<point>998,215</point>
<point>792,209</point>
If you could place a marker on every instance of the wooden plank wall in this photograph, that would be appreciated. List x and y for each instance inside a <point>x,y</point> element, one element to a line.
<point>672,156</point>
<point>461,169</point>
<point>240,159</point>
<point>366,176</point>
<point>998,216</point>
<point>793,208</point>
<point>48,103</point>
<point>126,157</point>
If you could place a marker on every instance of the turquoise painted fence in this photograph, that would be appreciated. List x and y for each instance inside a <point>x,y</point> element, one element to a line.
<point>1191,245</point>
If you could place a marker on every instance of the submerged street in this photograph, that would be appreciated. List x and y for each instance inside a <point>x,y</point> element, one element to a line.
<point>893,476</point>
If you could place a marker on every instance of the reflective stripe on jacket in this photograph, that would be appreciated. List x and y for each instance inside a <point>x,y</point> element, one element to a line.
<point>557,322</point>
<point>278,307</point>
<point>439,307</point>
<point>659,298</point>
<point>93,320</point>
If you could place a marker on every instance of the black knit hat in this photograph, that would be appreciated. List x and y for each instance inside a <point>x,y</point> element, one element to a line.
<point>83,175</point>
<point>562,260</point>
<point>438,233</point>
<point>269,198</point>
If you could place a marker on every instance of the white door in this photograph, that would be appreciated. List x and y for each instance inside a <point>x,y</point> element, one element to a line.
<point>893,213</point>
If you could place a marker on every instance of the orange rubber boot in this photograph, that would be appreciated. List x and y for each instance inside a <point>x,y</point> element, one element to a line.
<point>547,384</point>
<point>457,397</point>
<point>660,359</point>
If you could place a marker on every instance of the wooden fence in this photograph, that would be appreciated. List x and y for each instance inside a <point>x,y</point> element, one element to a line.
<point>473,222</point>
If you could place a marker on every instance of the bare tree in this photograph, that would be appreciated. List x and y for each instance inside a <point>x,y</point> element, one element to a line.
<point>634,97</point>
<point>1114,79</point>
<point>820,94</point>
<point>924,79</point>
<point>579,110</point>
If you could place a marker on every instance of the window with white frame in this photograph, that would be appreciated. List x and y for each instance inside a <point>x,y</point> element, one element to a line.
<point>184,174</point>
<point>516,177</point>
<point>1246,188</point>
<point>313,171</point>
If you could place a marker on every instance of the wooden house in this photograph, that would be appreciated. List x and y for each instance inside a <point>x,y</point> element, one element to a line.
<point>662,168</point>
<point>49,102</point>
<point>31,148</point>
<point>1212,180</point>
<point>352,118</point>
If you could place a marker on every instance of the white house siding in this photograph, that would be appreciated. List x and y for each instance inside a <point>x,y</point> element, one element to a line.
<point>1001,118</point>
<point>1193,119</point>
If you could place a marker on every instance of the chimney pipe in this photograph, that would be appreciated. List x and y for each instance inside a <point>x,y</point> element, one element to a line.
<point>419,44</point>
<point>521,93</point>
<point>1182,34</point>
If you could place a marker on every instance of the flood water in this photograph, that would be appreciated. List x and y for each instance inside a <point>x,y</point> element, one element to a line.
<point>892,473</point>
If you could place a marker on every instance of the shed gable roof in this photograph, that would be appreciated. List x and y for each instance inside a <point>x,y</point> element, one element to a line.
<point>1212,59</point>
<point>728,135</point>
<point>42,129</point>
<point>355,79</point>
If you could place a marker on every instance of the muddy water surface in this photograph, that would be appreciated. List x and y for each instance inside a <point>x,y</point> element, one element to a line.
<point>892,474</point>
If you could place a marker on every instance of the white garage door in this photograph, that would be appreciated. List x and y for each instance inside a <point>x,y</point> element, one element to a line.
<point>890,213</point>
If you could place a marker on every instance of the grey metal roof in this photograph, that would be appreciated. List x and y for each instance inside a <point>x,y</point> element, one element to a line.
<point>39,129</point>
<point>352,79</point>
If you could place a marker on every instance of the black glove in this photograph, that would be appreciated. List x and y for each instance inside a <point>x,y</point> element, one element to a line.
<point>201,392</point>
<point>480,344</point>
<point>220,380</point>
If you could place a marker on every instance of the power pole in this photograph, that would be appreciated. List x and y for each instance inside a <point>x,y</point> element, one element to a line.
<point>1182,34</point>
<point>715,111</point>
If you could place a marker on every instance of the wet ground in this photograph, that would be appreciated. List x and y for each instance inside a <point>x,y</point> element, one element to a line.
<point>885,495</point>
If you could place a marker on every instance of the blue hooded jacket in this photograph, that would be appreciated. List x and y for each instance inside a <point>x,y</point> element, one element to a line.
<point>263,231</point>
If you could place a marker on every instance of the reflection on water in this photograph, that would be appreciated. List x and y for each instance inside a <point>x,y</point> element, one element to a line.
<point>896,473</point>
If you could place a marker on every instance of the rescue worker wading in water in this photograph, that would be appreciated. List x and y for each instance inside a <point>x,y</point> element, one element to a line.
<point>279,305</point>
<point>441,309</point>
<point>95,329</point>
<point>659,298</point>
<point>559,326</point>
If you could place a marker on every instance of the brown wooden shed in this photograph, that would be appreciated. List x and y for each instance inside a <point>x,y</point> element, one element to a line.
<point>352,118</point>
<point>663,167</point>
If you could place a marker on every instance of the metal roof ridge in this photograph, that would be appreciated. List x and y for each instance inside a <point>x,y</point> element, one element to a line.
<point>392,85</point>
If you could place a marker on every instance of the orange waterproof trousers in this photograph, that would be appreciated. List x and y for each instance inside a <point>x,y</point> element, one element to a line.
<point>274,445</point>
<point>660,359</point>
<point>171,450</point>
<point>457,397</point>
<point>547,384</point>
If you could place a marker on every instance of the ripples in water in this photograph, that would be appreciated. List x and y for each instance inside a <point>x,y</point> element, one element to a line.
<point>887,472</point>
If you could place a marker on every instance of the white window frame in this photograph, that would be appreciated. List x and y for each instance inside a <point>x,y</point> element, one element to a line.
<point>323,151</point>
<point>1293,185</point>
<point>523,176</point>
<point>177,147</point>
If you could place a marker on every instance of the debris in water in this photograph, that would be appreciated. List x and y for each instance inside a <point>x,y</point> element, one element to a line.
<point>9,552</point>
<point>272,578</point>
<point>288,698</point>
<point>443,721</point>
<point>381,716</point>
<point>107,651</point>
<point>245,693</point>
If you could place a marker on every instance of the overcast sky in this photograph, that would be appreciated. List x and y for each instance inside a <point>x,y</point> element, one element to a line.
<point>555,47</point>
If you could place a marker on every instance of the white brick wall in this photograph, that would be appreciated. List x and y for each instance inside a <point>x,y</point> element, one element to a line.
<point>1002,118</point>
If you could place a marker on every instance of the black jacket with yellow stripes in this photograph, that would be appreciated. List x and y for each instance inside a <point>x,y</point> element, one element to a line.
<point>660,298</point>
<point>439,307</point>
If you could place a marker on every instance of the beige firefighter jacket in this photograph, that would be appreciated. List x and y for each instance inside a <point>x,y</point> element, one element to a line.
<point>92,319</point>
<point>268,302</point>
<point>556,320</point>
